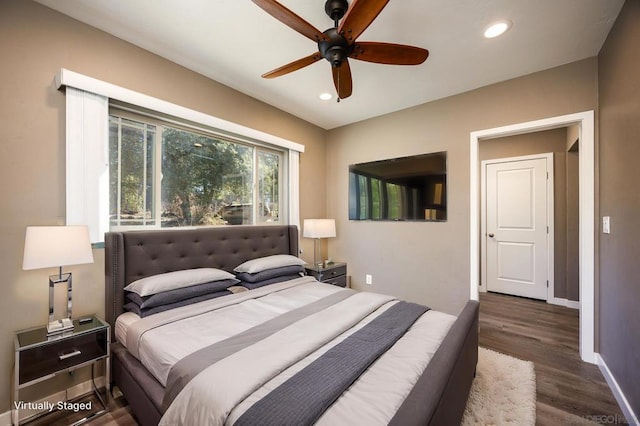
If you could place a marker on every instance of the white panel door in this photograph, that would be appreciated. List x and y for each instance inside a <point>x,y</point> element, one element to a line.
<point>517,228</point>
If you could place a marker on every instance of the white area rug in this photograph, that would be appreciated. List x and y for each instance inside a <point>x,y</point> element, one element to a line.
<point>503,392</point>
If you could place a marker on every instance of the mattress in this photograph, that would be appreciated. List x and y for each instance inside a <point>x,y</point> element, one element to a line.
<point>160,341</point>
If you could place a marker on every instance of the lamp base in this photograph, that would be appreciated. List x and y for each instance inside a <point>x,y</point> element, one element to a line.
<point>59,326</point>
<point>65,324</point>
<point>316,250</point>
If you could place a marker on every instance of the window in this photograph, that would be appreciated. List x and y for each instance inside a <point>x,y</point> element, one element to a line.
<point>89,198</point>
<point>166,175</point>
<point>131,160</point>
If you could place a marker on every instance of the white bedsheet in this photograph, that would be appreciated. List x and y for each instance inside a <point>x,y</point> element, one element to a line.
<point>159,349</point>
<point>372,400</point>
<point>123,322</point>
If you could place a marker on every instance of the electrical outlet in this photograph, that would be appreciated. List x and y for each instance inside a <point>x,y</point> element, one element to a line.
<point>368,279</point>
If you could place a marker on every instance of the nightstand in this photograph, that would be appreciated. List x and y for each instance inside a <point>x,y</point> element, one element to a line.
<point>335,273</point>
<point>39,358</point>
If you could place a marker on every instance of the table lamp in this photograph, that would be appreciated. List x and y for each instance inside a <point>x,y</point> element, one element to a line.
<point>57,246</point>
<point>318,228</point>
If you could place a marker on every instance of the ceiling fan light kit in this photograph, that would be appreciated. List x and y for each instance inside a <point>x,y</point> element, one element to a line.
<point>339,43</point>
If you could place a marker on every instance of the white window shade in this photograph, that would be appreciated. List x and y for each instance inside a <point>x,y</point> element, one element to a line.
<point>294,188</point>
<point>87,141</point>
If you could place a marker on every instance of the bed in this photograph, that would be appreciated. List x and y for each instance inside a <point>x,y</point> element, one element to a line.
<point>435,395</point>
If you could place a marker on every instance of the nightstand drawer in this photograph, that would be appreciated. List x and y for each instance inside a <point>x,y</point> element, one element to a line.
<point>334,273</point>
<point>340,281</point>
<point>338,271</point>
<point>327,273</point>
<point>58,355</point>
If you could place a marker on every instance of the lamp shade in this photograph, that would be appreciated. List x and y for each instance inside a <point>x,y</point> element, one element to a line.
<point>319,228</point>
<point>55,246</point>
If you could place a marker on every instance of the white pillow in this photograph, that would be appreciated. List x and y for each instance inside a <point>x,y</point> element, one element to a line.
<point>177,279</point>
<point>268,262</point>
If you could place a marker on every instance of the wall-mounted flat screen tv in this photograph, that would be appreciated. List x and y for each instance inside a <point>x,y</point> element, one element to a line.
<point>410,188</point>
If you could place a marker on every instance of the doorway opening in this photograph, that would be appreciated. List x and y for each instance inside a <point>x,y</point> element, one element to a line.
<point>586,206</point>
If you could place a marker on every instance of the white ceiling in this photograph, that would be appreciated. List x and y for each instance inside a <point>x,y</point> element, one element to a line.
<point>235,42</point>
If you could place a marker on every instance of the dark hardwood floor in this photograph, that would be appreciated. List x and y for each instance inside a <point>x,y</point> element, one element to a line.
<point>569,391</point>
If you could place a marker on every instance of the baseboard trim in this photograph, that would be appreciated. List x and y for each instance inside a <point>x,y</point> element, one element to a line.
<point>71,393</point>
<point>565,302</point>
<point>5,418</point>
<point>632,418</point>
<point>573,304</point>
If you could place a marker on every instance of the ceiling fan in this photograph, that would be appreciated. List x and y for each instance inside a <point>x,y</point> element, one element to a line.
<point>339,43</point>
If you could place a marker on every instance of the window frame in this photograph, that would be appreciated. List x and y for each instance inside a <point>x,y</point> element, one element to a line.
<point>160,122</point>
<point>155,170</point>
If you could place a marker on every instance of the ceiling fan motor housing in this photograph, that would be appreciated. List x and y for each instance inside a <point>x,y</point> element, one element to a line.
<point>336,49</point>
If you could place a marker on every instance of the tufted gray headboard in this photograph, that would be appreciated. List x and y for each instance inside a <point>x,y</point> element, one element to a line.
<point>137,254</point>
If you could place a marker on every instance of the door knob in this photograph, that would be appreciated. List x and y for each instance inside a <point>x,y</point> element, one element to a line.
<point>491,235</point>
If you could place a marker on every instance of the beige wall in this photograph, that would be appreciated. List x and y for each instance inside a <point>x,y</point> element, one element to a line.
<point>619,293</point>
<point>565,244</point>
<point>35,43</point>
<point>429,262</point>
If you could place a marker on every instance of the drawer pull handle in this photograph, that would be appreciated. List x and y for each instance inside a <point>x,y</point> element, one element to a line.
<point>69,355</point>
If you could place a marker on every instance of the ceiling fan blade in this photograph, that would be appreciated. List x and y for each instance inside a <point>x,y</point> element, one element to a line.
<point>342,79</point>
<point>293,66</point>
<point>359,16</point>
<point>290,19</point>
<point>389,53</point>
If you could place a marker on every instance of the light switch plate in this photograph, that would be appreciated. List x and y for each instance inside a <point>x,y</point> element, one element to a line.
<point>606,225</point>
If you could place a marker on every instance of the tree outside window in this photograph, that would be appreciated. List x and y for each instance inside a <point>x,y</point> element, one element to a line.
<point>201,180</point>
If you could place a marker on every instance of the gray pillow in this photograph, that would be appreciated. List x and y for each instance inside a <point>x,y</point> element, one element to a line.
<point>177,279</point>
<point>172,296</point>
<point>268,262</point>
<point>262,283</point>
<point>143,312</point>
<point>270,273</point>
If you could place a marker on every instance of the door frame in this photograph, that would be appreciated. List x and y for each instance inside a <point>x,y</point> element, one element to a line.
<point>548,156</point>
<point>587,206</point>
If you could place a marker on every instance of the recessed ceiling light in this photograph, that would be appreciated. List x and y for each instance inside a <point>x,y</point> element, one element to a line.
<point>497,28</point>
<point>325,96</point>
